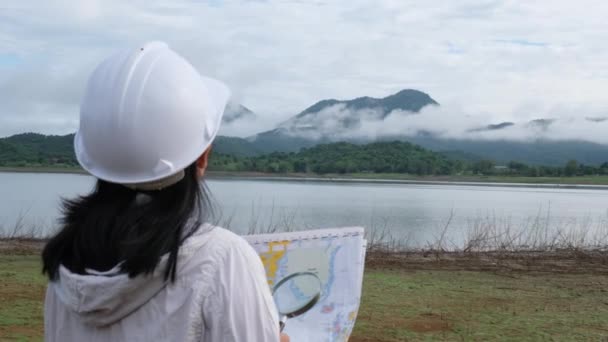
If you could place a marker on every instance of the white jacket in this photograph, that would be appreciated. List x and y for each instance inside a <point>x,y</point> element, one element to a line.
<point>220,294</point>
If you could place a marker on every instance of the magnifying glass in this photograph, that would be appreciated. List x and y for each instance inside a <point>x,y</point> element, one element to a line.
<point>296,294</point>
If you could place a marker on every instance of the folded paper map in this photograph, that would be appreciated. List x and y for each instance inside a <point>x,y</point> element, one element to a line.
<point>337,257</point>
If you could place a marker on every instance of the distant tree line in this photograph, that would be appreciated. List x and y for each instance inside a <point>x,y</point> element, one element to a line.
<point>388,157</point>
<point>36,150</point>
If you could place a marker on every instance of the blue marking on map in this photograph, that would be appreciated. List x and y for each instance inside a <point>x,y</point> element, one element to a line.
<point>331,277</point>
<point>281,268</point>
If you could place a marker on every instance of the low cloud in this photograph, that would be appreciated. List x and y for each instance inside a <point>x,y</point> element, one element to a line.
<point>453,122</point>
<point>247,126</point>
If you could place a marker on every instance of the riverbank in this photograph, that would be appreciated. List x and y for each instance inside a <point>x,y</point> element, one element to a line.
<point>578,182</point>
<point>43,169</point>
<point>563,260</point>
<point>510,182</point>
<point>406,297</point>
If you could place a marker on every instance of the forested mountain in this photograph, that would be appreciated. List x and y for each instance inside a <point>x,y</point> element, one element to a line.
<point>331,120</point>
<point>390,157</point>
<point>304,129</point>
<point>235,146</point>
<point>380,157</point>
<point>37,149</point>
<point>409,100</point>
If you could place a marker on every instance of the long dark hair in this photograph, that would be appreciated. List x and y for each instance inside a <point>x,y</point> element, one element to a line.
<point>115,224</point>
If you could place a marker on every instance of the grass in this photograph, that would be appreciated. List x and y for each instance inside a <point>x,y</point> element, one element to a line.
<point>21,298</point>
<point>481,306</point>
<point>398,305</point>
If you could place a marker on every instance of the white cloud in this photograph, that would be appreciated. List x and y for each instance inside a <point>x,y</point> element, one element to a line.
<point>452,122</point>
<point>502,59</point>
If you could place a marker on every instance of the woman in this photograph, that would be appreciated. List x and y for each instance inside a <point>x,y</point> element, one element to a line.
<point>134,260</point>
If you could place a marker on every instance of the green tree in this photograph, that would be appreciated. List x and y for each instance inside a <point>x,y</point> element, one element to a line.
<point>484,167</point>
<point>571,168</point>
<point>299,166</point>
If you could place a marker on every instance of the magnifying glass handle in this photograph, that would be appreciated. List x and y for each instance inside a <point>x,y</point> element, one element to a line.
<point>282,321</point>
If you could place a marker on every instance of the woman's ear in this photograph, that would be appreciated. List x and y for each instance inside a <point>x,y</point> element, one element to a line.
<point>202,162</point>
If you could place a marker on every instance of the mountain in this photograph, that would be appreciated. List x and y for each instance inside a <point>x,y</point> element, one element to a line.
<point>331,120</point>
<point>542,124</point>
<point>341,157</point>
<point>235,111</point>
<point>538,152</point>
<point>33,149</point>
<point>235,146</point>
<point>279,140</point>
<point>319,122</point>
<point>408,100</point>
<point>37,149</point>
<point>378,157</point>
<point>492,127</point>
<point>596,119</point>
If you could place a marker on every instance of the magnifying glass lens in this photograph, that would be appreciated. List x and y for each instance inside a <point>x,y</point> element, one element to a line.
<point>295,293</point>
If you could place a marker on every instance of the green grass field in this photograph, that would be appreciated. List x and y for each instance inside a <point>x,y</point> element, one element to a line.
<point>21,298</point>
<point>400,305</point>
<point>482,306</point>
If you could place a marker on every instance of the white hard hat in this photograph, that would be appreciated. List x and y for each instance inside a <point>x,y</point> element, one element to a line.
<point>147,114</point>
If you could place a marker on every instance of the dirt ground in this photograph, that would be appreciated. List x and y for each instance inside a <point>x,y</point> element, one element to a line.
<point>567,261</point>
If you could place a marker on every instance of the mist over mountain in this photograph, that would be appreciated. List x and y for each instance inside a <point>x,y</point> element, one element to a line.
<point>414,116</point>
<point>409,115</point>
<point>492,127</point>
<point>331,117</point>
<point>334,120</point>
<point>407,100</point>
<point>235,111</point>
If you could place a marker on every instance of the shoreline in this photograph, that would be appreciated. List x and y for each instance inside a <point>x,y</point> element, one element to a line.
<point>353,180</point>
<point>63,170</point>
<point>515,182</point>
<point>568,261</point>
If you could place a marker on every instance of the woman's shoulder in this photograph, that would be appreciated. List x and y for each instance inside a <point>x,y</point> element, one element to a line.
<point>217,244</point>
<point>220,237</point>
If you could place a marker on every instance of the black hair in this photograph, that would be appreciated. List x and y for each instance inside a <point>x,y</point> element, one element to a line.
<point>115,224</point>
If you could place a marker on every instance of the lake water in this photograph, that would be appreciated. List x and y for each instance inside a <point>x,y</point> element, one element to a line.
<point>415,213</point>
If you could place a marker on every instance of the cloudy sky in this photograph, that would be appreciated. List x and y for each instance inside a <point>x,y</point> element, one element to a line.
<point>495,60</point>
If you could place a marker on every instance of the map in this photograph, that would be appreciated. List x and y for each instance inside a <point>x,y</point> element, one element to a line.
<point>336,257</point>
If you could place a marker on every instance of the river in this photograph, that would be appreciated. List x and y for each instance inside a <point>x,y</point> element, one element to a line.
<point>413,213</point>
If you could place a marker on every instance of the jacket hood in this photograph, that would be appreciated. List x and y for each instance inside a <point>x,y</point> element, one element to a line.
<point>102,298</point>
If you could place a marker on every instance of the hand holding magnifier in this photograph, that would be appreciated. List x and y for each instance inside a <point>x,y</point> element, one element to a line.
<point>296,294</point>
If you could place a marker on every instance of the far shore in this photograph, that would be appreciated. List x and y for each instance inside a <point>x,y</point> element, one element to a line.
<point>582,182</point>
